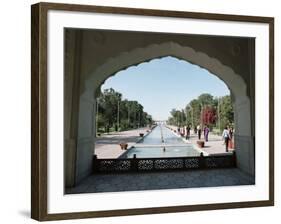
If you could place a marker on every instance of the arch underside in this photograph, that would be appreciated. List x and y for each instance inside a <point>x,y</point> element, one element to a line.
<point>140,55</point>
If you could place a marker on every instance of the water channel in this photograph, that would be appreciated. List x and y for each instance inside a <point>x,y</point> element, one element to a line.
<point>161,142</point>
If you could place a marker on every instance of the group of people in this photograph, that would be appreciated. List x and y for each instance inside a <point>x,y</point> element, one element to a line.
<point>185,131</point>
<point>227,134</point>
<point>206,130</point>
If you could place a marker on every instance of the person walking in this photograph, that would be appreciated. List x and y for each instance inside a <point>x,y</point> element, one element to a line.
<point>187,132</point>
<point>225,135</point>
<point>206,132</point>
<point>199,131</point>
<point>231,145</point>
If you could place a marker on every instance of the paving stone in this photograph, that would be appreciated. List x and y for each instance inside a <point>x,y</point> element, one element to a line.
<point>162,180</point>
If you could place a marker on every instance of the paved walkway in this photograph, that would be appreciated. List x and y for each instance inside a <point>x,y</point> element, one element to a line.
<point>107,145</point>
<point>215,145</point>
<point>162,180</point>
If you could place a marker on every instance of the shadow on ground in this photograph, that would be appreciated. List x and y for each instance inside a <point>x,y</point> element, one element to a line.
<point>162,180</point>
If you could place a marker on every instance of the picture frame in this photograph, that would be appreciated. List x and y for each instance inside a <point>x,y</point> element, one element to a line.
<point>41,101</point>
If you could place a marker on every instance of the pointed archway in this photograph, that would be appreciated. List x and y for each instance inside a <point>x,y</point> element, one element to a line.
<point>87,103</point>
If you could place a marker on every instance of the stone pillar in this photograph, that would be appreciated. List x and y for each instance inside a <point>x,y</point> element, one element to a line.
<point>245,153</point>
<point>71,102</point>
<point>244,138</point>
<point>79,113</point>
<point>86,136</point>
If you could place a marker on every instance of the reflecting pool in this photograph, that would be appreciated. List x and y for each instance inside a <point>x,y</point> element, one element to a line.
<point>161,142</point>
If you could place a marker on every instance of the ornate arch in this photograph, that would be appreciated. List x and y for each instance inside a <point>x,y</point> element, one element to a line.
<point>126,59</point>
<point>237,86</point>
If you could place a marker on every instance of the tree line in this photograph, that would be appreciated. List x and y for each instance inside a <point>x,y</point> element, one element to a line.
<point>216,112</point>
<point>116,114</point>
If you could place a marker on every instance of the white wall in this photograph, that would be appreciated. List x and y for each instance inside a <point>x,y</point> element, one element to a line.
<point>15,111</point>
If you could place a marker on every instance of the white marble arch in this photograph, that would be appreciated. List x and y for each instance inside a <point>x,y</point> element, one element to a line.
<point>237,86</point>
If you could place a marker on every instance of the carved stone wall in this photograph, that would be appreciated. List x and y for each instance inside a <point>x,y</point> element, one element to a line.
<point>104,53</point>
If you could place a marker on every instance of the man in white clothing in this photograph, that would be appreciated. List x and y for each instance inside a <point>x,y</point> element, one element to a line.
<point>226,137</point>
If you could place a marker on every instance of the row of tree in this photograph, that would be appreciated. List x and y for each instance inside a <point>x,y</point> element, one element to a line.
<point>206,109</point>
<point>117,114</point>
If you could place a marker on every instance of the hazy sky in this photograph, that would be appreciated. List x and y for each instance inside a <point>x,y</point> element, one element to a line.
<point>163,84</point>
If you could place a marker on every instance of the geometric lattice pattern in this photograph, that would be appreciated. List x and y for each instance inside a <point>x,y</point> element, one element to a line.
<point>219,162</point>
<point>192,163</point>
<point>158,164</point>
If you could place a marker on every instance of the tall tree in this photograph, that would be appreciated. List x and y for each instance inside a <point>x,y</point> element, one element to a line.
<point>195,111</point>
<point>178,117</point>
<point>226,112</point>
<point>204,110</point>
<point>206,99</point>
<point>117,114</point>
<point>209,115</point>
<point>109,102</point>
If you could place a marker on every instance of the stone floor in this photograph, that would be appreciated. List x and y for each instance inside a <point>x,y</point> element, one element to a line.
<point>162,180</point>
<point>107,145</point>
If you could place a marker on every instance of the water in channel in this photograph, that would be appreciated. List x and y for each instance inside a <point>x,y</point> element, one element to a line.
<point>161,142</point>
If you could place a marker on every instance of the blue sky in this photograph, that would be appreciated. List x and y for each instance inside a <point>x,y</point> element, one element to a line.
<point>163,84</point>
